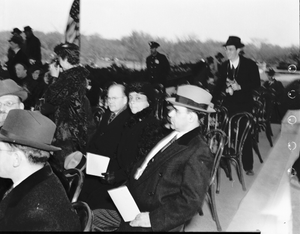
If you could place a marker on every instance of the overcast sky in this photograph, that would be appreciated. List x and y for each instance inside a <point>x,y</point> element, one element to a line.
<point>273,21</point>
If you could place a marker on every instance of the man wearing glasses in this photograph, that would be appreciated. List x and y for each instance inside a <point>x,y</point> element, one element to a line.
<point>107,137</point>
<point>12,97</point>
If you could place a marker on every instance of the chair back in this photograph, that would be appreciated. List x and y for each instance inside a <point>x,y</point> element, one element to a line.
<point>85,214</point>
<point>218,119</point>
<point>75,178</point>
<point>216,140</point>
<point>239,126</point>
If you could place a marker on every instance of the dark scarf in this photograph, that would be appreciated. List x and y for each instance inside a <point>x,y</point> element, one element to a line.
<point>138,117</point>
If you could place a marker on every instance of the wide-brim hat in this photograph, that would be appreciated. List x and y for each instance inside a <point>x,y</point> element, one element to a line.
<point>9,87</point>
<point>153,44</point>
<point>16,30</point>
<point>192,97</point>
<point>75,160</point>
<point>233,40</point>
<point>27,29</point>
<point>29,128</point>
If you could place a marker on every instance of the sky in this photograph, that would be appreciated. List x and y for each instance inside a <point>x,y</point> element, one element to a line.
<point>271,21</point>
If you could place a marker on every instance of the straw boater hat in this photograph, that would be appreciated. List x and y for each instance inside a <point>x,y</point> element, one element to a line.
<point>29,128</point>
<point>193,97</point>
<point>9,87</point>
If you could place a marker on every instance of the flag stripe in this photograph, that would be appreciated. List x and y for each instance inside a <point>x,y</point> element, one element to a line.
<point>72,33</point>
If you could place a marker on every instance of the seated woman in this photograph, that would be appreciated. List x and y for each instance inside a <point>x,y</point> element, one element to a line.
<point>142,132</point>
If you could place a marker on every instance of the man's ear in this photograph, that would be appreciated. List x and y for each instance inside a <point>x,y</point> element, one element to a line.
<point>17,159</point>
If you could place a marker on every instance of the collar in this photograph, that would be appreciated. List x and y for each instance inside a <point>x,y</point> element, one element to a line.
<point>16,50</point>
<point>235,63</point>
<point>120,111</point>
<point>188,136</point>
<point>29,183</point>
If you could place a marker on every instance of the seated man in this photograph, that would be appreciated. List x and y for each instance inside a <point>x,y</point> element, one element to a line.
<point>12,97</point>
<point>37,200</point>
<point>169,186</point>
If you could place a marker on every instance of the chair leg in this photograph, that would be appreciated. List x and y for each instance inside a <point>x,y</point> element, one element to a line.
<point>256,149</point>
<point>269,134</point>
<point>212,200</point>
<point>239,170</point>
<point>218,177</point>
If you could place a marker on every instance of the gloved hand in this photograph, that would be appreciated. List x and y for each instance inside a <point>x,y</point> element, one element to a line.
<point>109,177</point>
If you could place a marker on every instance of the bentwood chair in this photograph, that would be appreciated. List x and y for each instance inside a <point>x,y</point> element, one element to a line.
<point>218,119</point>
<point>85,214</point>
<point>216,140</point>
<point>239,126</point>
<point>75,178</point>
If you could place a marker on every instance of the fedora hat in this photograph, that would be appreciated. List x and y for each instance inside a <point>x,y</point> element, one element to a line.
<point>27,29</point>
<point>29,128</point>
<point>153,44</point>
<point>9,87</point>
<point>75,160</point>
<point>192,97</point>
<point>16,31</point>
<point>233,40</point>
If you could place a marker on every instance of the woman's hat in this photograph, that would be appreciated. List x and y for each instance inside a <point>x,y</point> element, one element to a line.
<point>233,40</point>
<point>143,87</point>
<point>9,87</point>
<point>270,72</point>
<point>193,97</point>
<point>29,128</point>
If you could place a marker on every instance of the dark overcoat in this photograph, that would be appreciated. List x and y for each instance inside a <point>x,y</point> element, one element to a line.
<point>173,186</point>
<point>39,203</point>
<point>158,68</point>
<point>65,102</point>
<point>247,76</point>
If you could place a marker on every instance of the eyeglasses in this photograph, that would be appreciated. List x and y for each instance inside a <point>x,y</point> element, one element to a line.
<point>137,99</point>
<point>113,98</point>
<point>7,104</point>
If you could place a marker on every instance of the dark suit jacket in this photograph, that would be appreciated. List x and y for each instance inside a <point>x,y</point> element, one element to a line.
<point>247,76</point>
<point>39,203</point>
<point>173,186</point>
<point>107,137</point>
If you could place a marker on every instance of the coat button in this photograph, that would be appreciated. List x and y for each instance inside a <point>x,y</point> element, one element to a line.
<point>150,193</point>
<point>160,174</point>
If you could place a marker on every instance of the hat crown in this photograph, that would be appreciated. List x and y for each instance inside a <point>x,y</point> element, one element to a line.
<point>153,44</point>
<point>234,40</point>
<point>29,128</point>
<point>194,93</point>
<point>9,87</point>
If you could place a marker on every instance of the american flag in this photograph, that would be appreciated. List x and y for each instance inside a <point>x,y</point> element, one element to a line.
<point>72,34</point>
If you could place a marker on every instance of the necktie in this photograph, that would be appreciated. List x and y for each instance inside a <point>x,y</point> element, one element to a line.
<point>112,116</point>
<point>160,146</point>
<point>233,72</point>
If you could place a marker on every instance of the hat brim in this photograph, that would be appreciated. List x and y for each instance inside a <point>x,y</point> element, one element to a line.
<point>21,94</point>
<point>173,102</point>
<point>236,45</point>
<point>25,142</point>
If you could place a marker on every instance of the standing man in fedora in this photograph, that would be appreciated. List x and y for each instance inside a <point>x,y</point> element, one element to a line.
<point>169,186</point>
<point>239,77</point>
<point>37,200</point>
<point>158,66</point>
